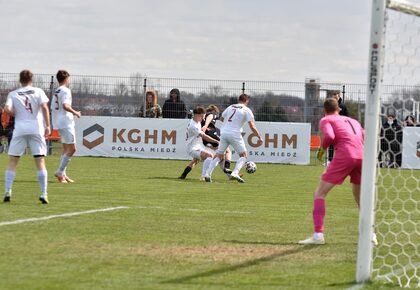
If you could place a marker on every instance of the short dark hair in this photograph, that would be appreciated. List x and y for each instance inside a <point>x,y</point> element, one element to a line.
<point>330,105</point>
<point>199,111</point>
<point>243,98</point>
<point>62,75</point>
<point>25,76</point>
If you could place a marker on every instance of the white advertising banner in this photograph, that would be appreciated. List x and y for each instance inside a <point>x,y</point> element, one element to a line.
<point>411,148</point>
<point>165,139</point>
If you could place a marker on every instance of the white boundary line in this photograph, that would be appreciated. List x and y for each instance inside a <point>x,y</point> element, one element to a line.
<point>20,221</point>
<point>61,215</point>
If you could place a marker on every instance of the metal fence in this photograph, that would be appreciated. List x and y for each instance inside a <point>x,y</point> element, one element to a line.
<point>270,101</point>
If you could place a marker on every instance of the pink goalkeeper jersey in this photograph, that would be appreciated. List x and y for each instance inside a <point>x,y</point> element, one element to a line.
<point>346,134</point>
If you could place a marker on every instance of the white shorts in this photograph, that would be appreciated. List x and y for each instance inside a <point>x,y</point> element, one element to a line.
<point>237,142</point>
<point>19,144</point>
<point>68,135</point>
<point>196,152</point>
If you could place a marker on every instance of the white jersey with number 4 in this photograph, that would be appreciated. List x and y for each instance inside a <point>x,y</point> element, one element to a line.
<point>61,118</point>
<point>194,140</point>
<point>26,102</point>
<point>234,118</point>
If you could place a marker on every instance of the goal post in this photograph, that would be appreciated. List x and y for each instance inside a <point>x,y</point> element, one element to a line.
<point>390,197</point>
<point>367,194</point>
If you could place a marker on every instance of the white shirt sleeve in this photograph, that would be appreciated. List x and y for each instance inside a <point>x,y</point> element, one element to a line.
<point>44,98</point>
<point>249,115</point>
<point>9,101</point>
<point>195,131</point>
<point>66,97</point>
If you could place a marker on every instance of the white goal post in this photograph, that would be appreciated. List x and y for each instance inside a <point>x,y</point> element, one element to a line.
<point>370,170</point>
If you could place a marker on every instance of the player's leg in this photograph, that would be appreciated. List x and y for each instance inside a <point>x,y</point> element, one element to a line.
<point>239,145</point>
<point>220,152</point>
<point>335,174</point>
<point>42,177</point>
<point>207,156</point>
<point>188,168</point>
<point>9,177</point>
<point>228,159</point>
<point>39,151</point>
<point>17,148</point>
<point>69,148</point>
<point>213,163</point>
<point>318,214</point>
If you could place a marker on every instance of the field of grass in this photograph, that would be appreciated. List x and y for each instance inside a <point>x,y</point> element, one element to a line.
<point>165,233</point>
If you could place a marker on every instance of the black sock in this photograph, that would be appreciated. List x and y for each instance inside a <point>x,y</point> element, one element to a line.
<point>227,164</point>
<point>186,171</point>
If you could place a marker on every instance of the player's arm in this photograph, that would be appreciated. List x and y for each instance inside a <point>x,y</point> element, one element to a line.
<point>46,114</point>
<point>9,111</point>
<point>208,138</point>
<point>328,133</point>
<point>209,118</point>
<point>8,106</point>
<point>255,131</point>
<point>68,108</point>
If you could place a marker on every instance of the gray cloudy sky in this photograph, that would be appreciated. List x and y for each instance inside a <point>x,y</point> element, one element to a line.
<point>218,39</point>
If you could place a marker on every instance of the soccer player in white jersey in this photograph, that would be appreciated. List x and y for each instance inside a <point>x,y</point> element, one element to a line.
<point>29,106</point>
<point>63,114</point>
<point>194,138</point>
<point>234,118</point>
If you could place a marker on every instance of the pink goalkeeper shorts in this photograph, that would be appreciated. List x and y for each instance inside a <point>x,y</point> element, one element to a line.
<point>339,169</point>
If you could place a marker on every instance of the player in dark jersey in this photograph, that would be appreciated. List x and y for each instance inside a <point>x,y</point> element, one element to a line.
<point>209,128</point>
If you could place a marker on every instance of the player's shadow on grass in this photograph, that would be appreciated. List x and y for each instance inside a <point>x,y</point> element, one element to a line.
<point>232,268</point>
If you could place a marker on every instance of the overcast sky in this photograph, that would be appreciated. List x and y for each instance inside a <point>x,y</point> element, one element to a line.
<point>218,39</point>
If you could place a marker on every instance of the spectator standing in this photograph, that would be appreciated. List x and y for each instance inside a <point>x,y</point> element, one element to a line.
<point>173,107</point>
<point>410,121</point>
<point>6,129</point>
<point>391,141</point>
<point>153,110</point>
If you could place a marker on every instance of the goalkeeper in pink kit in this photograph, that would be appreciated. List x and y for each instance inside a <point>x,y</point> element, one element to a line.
<point>346,134</point>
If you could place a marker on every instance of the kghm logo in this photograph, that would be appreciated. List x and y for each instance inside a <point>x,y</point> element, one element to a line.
<point>97,141</point>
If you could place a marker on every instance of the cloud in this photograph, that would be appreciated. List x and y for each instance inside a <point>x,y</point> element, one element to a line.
<point>263,40</point>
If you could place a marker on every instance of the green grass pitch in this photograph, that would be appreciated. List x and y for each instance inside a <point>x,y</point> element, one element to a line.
<point>174,234</point>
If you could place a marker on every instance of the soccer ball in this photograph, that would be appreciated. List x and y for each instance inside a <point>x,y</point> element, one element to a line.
<point>250,167</point>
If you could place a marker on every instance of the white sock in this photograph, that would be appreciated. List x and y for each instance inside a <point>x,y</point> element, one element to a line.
<point>43,181</point>
<point>63,164</point>
<point>318,235</point>
<point>9,177</point>
<point>206,164</point>
<point>239,164</point>
<point>212,166</point>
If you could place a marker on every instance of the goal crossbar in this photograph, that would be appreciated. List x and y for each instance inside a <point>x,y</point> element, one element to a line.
<point>403,7</point>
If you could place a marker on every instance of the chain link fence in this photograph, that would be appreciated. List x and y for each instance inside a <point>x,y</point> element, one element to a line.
<point>270,101</point>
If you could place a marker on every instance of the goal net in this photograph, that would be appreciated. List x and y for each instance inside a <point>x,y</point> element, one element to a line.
<point>391,199</point>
